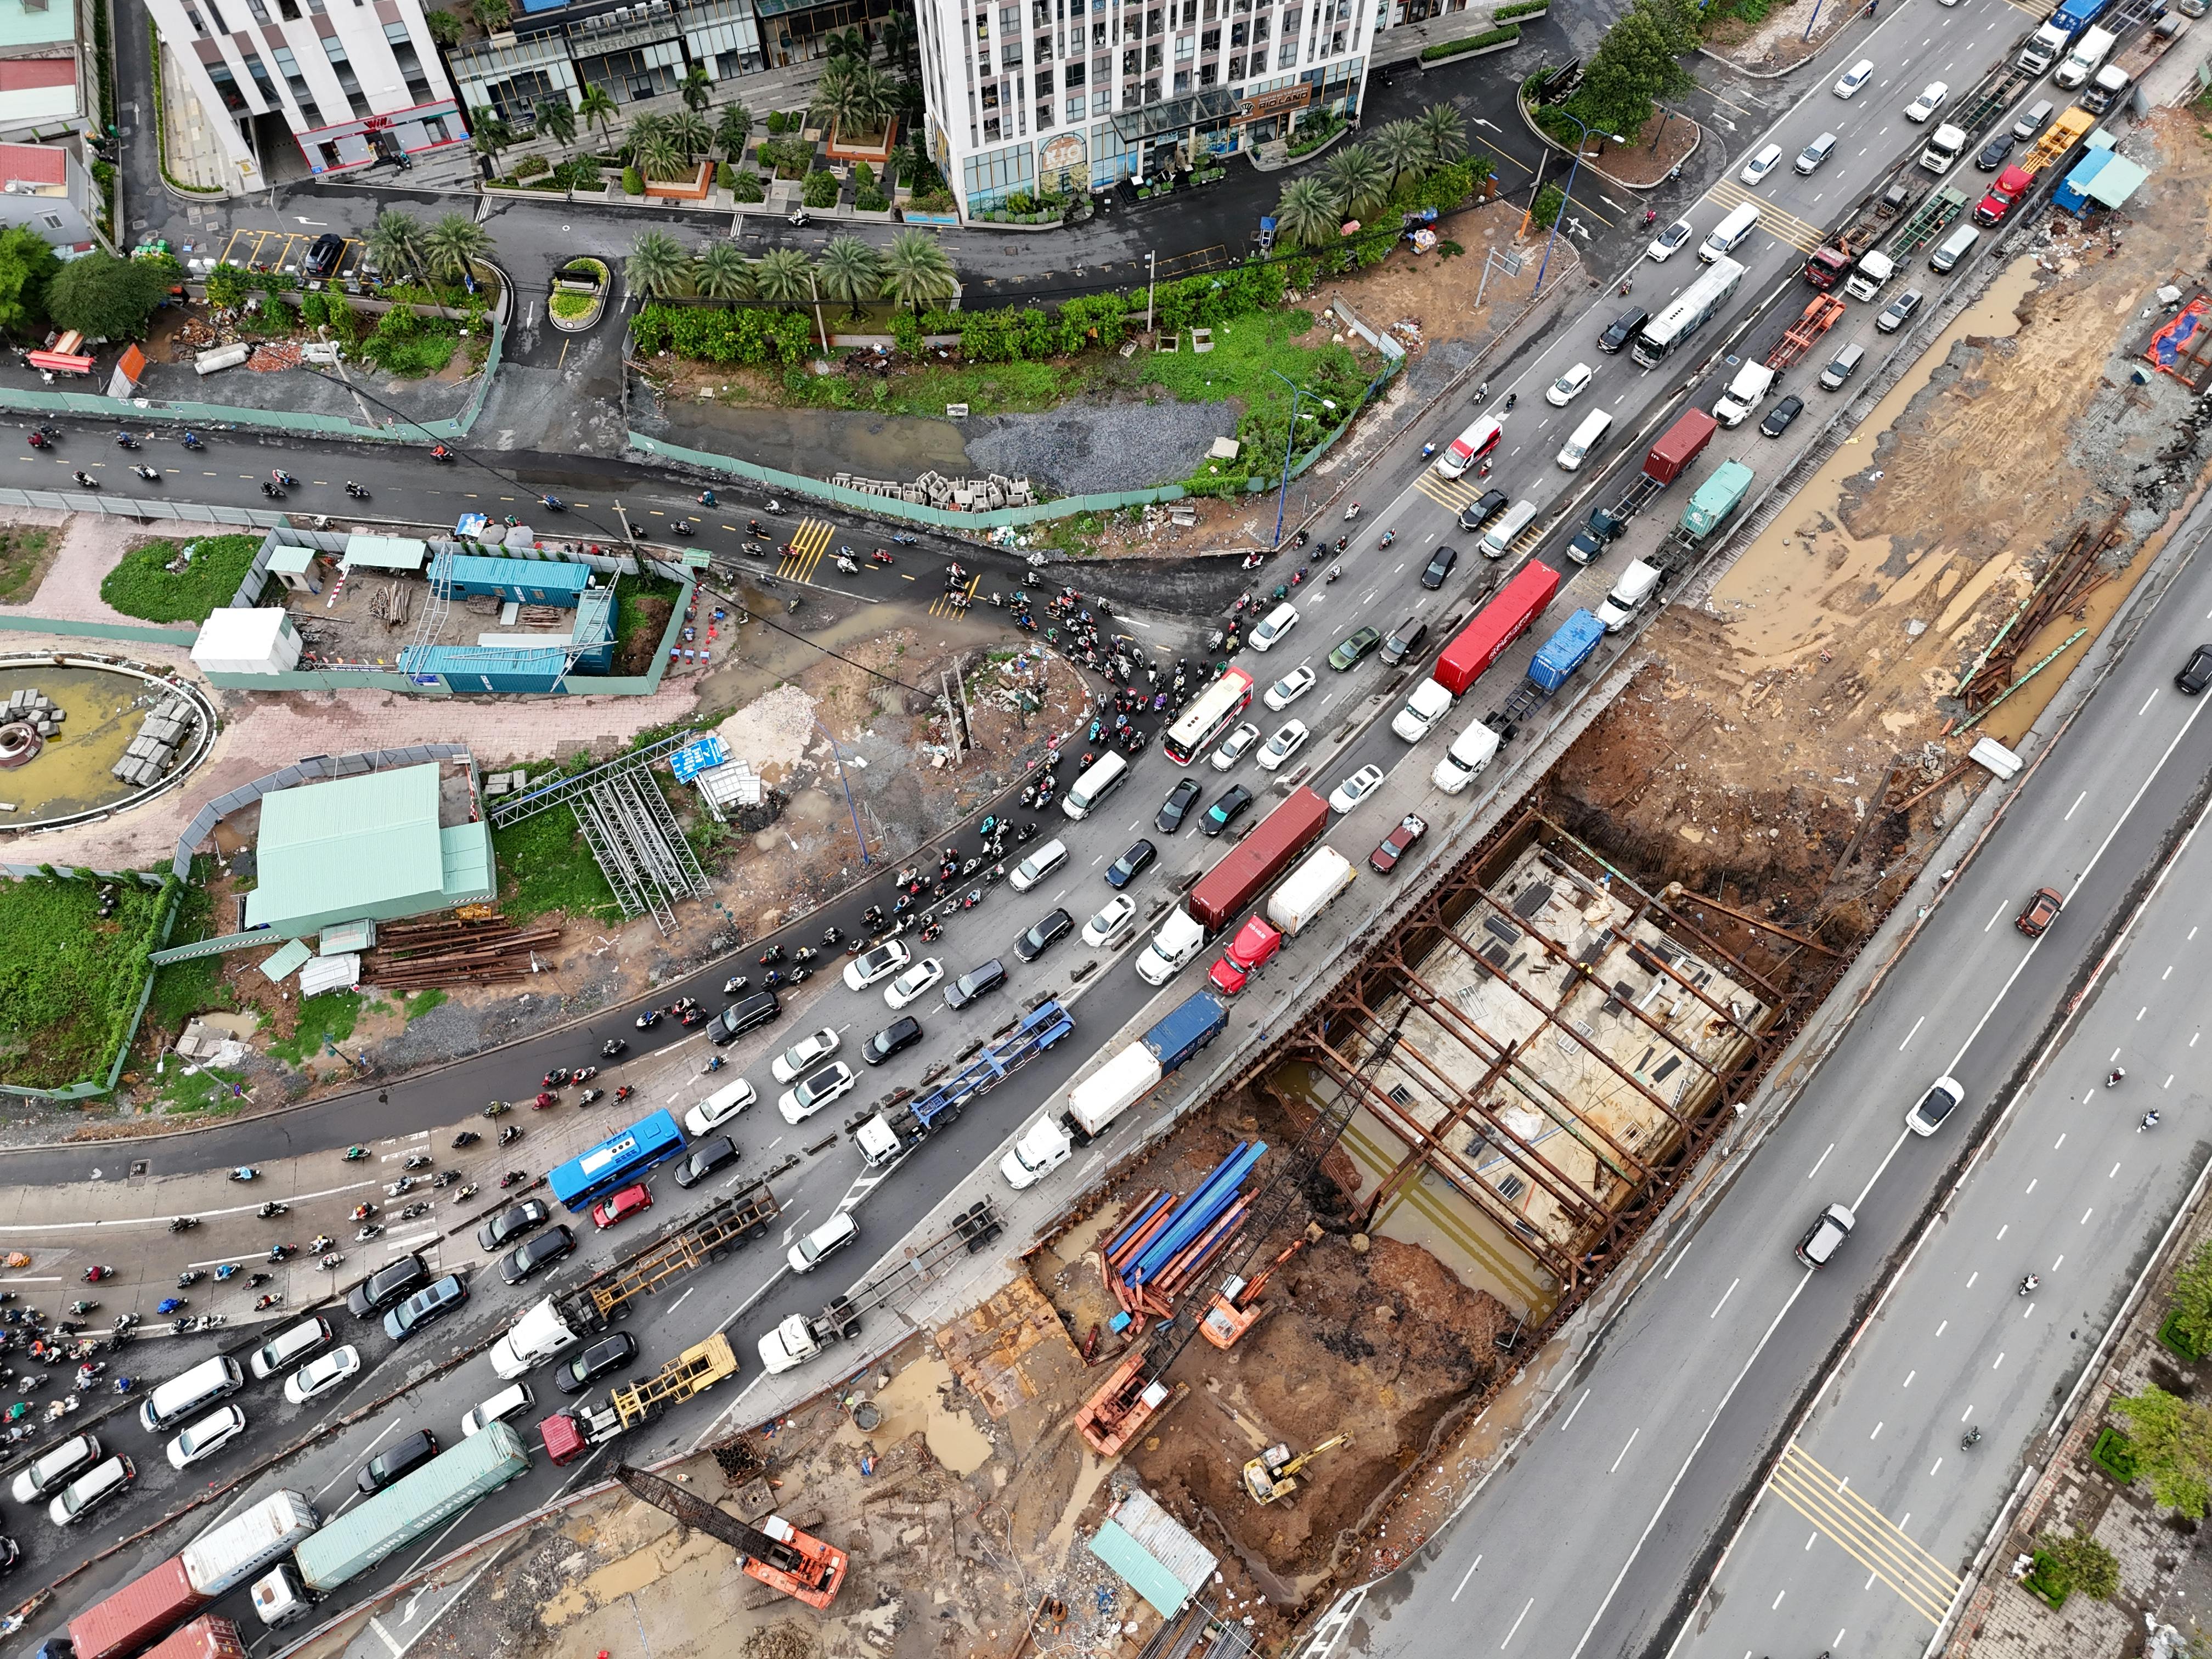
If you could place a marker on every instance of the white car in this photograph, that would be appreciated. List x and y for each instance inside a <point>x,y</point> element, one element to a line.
<point>802,1101</point>
<point>1272,626</point>
<point>912,982</point>
<point>719,1107</point>
<point>1355,789</point>
<point>1233,746</point>
<point>319,1376</point>
<point>1289,688</point>
<point>1289,739</point>
<point>1101,930</point>
<point>1664,246</point>
<point>839,1230</point>
<point>208,1436</point>
<point>1848,83</point>
<point>1928,102</point>
<point>1569,387</point>
<point>508,1402</point>
<point>882,963</point>
<point>1756,169</point>
<point>803,1056</point>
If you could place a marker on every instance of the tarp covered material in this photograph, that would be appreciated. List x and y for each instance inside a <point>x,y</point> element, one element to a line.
<point>385,553</point>
<point>2183,337</point>
<point>246,640</point>
<point>1154,1554</point>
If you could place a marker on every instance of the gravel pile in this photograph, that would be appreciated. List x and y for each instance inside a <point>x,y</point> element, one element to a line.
<point>1093,451</point>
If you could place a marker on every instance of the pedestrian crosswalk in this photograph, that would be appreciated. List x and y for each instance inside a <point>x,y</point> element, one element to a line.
<point>1800,233</point>
<point>808,544</point>
<point>1454,494</point>
<point>942,606</point>
<point>1868,1537</point>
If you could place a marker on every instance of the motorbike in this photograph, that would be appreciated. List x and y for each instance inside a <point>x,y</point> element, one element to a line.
<point>544,1098</point>
<point>770,957</point>
<point>1387,536</point>
<point>554,1079</point>
<point>38,441</point>
<point>413,1210</point>
<point>228,1270</point>
<point>81,1306</point>
<point>368,1232</point>
<point>244,1172</point>
<point>510,1134</point>
<point>466,1138</point>
<point>263,1302</point>
<point>734,984</point>
<point>512,1178</point>
<point>183,1224</point>
<point>124,441</point>
<point>682,527</point>
<point>592,1096</point>
<point>86,481</point>
<point>495,1108</point>
<point>189,1278</point>
<point>1511,398</point>
<point>714,1064</point>
<point>648,1019</point>
<point>355,491</point>
<point>279,476</point>
<point>395,1189</point>
<point>692,1016</point>
<point>271,491</point>
<point>418,1161</point>
<point>169,1304</point>
<point>1971,1438</point>
<point>465,1194</point>
<point>330,1263</point>
<point>282,1252</point>
<point>193,441</point>
<point>553,504</point>
<point>2150,1121</point>
<point>2112,1078</point>
<point>254,1281</point>
<point>2027,1284</point>
<point>613,1048</point>
<point>150,474</point>
<point>902,539</point>
<point>1335,572</point>
<point>363,1211</point>
<point>274,1207</point>
<point>355,1154</point>
<point>1352,512</point>
<point>442,455</point>
<point>880,557</point>
<point>623,1093</point>
<point>443,1178</point>
<point>583,1074</point>
<point>847,566</point>
<point>321,1242</point>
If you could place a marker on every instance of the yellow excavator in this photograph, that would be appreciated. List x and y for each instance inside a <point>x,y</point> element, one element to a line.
<point>1273,1473</point>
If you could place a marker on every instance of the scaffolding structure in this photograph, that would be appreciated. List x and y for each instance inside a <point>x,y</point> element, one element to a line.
<point>625,821</point>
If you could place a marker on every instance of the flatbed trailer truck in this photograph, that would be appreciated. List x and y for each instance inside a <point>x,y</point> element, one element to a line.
<point>568,1434</point>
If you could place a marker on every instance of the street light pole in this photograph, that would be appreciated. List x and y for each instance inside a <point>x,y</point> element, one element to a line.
<point>1567,199</point>
<point>1290,442</point>
<point>848,782</point>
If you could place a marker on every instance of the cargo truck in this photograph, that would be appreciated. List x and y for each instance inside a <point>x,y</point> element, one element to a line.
<point>1664,462</point>
<point>2060,135</point>
<point>2109,83</point>
<point>1717,498</point>
<point>2011,185</point>
<point>1509,613</point>
<point>205,1638</point>
<point>217,1562</point>
<point>2087,57</point>
<point>568,1435</point>
<point>1120,1083</point>
<point>885,1137</point>
<point>2075,16</point>
<point>1311,889</point>
<point>1262,937</point>
<point>1745,391</point>
<point>1223,891</point>
<point>1943,148</point>
<point>2043,48</point>
<point>1559,657</point>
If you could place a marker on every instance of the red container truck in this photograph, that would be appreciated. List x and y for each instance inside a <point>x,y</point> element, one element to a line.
<point>1508,616</point>
<point>212,1638</point>
<point>1257,859</point>
<point>129,1620</point>
<point>1679,444</point>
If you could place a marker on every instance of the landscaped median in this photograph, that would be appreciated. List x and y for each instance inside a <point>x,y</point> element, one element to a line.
<point>1503,34</point>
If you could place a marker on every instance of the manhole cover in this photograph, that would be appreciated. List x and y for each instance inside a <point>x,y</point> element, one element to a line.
<point>138,1167</point>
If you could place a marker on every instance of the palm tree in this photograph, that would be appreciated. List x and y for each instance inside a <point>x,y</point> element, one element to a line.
<point>1306,215</point>
<point>655,154</point>
<point>492,132</point>
<point>696,89</point>
<point>1355,180</point>
<point>901,38</point>
<point>733,131</point>
<point>656,266</point>
<point>598,105</point>
<point>688,131</point>
<point>556,121</point>
<point>1441,125</point>
<point>781,273</point>
<point>721,272</point>
<point>1401,150</point>
<point>916,270</point>
<point>454,245</point>
<point>642,128</point>
<point>395,243</point>
<point>856,96</point>
<point>851,271</point>
<point>848,43</point>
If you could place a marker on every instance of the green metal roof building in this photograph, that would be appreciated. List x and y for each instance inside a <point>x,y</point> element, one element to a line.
<point>368,847</point>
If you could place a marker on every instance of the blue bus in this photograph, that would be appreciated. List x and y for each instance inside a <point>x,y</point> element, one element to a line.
<point>616,1161</point>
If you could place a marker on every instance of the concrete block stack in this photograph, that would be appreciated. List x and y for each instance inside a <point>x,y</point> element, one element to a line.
<point>165,729</point>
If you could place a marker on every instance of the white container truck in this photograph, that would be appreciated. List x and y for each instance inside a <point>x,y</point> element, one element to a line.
<point>1120,1083</point>
<point>1309,890</point>
<point>2044,48</point>
<point>2087,57</point>
<point>536,1337</point>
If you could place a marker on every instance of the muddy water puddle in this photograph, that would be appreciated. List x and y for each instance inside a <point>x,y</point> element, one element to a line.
<point>796,440</point>
<point>69,774</point>
<point>915,1399</point>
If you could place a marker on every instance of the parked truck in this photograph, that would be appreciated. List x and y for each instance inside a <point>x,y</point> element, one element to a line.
<point>1508,614</point>
<point>2043,48</point>
<point>217,1562</point>
<point>1834,259</point>
<point>568,1435</point>
<point>2106,86</point>
<point>206,1638</point>
<point>2060,135</point>
<point>2075,16</point>
<point>2087,57</point>
<point>1715,499</point>
<point>1311,889</point>
<point>1223,892</point>
<point>1943,147</point>
<point>1554,664</point>
<point>1665,461</point>
<point>1126,1079</point>
<point>887,1136</point>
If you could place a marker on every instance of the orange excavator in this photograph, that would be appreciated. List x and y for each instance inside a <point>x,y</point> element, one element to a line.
<point>777,1553</point>
<point>1237,1308</point>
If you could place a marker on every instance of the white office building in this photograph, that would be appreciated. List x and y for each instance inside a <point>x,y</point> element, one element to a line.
<point>309,86</point>
<point>1060,96</point>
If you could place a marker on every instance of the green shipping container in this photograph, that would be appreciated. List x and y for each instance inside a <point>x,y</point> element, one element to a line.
<point>1717,497</point>
<point>407,1509</point>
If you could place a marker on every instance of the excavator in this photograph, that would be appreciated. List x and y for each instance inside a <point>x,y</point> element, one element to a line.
<point>1238,1308</point>
<point>777,1553</point>
<point>1274,1474</point>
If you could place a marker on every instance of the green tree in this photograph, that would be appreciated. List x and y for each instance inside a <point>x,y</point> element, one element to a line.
<point>1401,150</point>
<point>105,297</point>
<point>689,132</point>
<point>733,131</point>
<point>395,244</point>
<point>28,264</point>
<point>555,120</point>
<point>492,132</point>
<point>2076,1561</point>
<point>2192,1285</point>
<point>1639,59</point>
<point>902,38</point>
<point>445,27</point>
<point>697,89</point>
<point>722,272</point>
<point>851,271</point>
<point>781,273</point>
<point>492,15</point>
<point>854,95</point>
<point>658,266</point>
<point>598,105</point>
<point>1447,135</point>
<point>2171,1438</point>
<point>454,245</point>
<point>1357,181</point>
<point>1306,215</point>
<point>656,153</point>
<point>1545,210</point>
<point>917,270</point>
<point>847,43</point>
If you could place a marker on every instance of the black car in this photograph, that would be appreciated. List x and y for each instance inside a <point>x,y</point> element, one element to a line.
<point>1223,812</point>
<point>1995,152</point>
<point>426,1307</point>
<point>386,1286</point>
<point>1040,939</point>
<point>534,1255</point>
<point>324,255</point>
<point>1438,567</point>
<point>1131,865</point>
<point>975,982</point>
<point>511,1223</point>
<point>2196,673</point>
<point>704,1158</point>
<point>1624,329</point>
<point>899,1034</point>
<point>1488,506</point>
<point>610,1354</point>
<point>387,1466</point>
<point>1778,419</point>
<point>1181,800</point>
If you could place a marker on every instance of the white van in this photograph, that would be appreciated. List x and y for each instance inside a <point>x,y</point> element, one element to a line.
<point>1637,584</point>
<point>1094,786</point>
<point>1471,751</point>
<point>1588,436</point>
<point>1501,535</point>
<point>719,1107</point>
<point>180,1396</point>
<point>79,1495</point>
<point>1038,865</point>
<point>1428,703</point>
<point>1953,248</point>
<point>1741,221</point>
<point>288,1347</point>
<point>1744,393</point>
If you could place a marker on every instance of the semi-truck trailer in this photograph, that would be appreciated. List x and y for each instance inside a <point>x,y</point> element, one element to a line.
<point>1222,892</point>
<point>1126,1077</point>
<point>1559,657</point>
<point>218,1561</point>
<point>2087,58</point>
<point>887,1136</point>
<point>1664,462</point>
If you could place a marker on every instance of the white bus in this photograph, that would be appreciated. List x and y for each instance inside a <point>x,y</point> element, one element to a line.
<point>1208,716</point>
<point>1685,315</point>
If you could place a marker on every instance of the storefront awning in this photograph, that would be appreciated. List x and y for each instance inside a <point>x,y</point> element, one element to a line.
<point>1174,114</point>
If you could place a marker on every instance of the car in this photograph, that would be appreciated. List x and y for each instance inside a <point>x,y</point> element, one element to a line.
<point>511,1223</point>
<point>1826,1237</point>
<point>1053,927</point>
<point>395,1461</point>
<point>1941,1099</point>
<point>2041,909</point>
<point>1778,419</point>
<point>1289,688</point>
<point>288,1347</point>
<point>426,1307</point>
<point>1101,929</point>
<point>805,1056</point>
<point>833,1235</point>
<point>1393,846</point>
<point>705,1156</point>
<point>1929,101</point>
<point>1995,153</point>
<point>508,1402</point>
<point>1132,863</point>
<point>325,254</point>
<point>2196,673</point>
<point>1848,84</point>
<point>611,1353</point>
<point>1233,748</point>
<point>1438,567</point>
<point>978,982</point>
<point>1814,155</point>
<point>1176,809</point>
<point>1289,739</point>
<point>52,1469</point>
<point>1487,506</point>
<point>719,1107</point>
<point>533,1255</point>
<point>1569,386</point>
<point>1669,241</point>
<point>1355,789</point>
<point>1755,170</point>
<point>1350,653</point>
<point>91,1489</point>
<point>801,1101</point>
<point>902,1033</point>
<point>224,1424</point>
<point>912,982</point>
<point>1895,314</point>
<point>386,1286</point>
<point>1269,631</point>
<point>880,964</point>
<point>618,1206</point>
<point>1622,329</point>
<point>317,1377</point>
<point>1223,812</point>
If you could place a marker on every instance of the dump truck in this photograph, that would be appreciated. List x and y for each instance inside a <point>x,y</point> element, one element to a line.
<point>1097,1101</point>
<point>887,1136</point>
<point>1237,879</point>
<point>775,1554</point>
<point>217,1562</point>
<point>568,1435</point>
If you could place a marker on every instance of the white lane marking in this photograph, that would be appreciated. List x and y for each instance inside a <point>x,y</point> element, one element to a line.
<point>1502,1646</point>
<point>1725,1295</point>
<point>1632,1433</point>
<point>1815,1170</point>
<point>1570,1423</point>
<point>1916,1024</point>
<point>1464,1577</point>
<point>164,1218</point>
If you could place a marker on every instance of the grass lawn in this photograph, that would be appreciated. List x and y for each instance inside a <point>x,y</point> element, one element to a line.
<point>140,586</point>
<point>24,552</point>
<point>185,988</point>
<point>68,981</point>
<point>330,1017</point>
<point>1239,367</point>
<point>208,1093</point>
<point>544,865</point>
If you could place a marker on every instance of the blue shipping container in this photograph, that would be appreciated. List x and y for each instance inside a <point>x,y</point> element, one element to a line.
<point>1566,651</point>
<point>2075,16</point>
<point>1186,1030</point>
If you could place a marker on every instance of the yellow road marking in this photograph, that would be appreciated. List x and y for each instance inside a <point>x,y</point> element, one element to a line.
<point>1864,1533</point>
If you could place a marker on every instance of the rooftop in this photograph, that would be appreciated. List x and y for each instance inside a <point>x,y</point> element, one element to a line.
<point>382,845</point>
<point>33,164</point>
<point>28,23</point>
